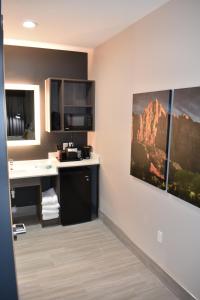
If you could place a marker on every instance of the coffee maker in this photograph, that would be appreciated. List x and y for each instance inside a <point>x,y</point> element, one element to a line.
<point>71,152</point>
<point>86,152</point>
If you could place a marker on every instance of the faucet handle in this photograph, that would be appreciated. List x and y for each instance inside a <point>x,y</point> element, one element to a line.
<point>11,162</point>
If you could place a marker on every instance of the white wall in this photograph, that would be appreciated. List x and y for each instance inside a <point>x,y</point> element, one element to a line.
<point>161,51</point>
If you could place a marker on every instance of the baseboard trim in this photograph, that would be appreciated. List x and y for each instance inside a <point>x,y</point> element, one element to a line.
<point>168,281</point>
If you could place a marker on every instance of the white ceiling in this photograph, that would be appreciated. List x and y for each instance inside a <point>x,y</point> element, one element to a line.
<point>84,23</point>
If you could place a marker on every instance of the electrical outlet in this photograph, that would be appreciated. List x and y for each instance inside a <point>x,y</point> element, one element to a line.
<point>159,236</point>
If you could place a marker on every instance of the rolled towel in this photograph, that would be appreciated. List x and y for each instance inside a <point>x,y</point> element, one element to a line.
<point>46,211</point>
<point>51,206</point>
<point>50,216</point>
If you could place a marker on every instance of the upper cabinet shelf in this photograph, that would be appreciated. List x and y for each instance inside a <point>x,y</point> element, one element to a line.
<point>69,104</point>
<point>78,93</point>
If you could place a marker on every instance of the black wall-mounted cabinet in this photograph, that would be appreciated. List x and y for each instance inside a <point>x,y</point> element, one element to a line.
<point>70,104</point>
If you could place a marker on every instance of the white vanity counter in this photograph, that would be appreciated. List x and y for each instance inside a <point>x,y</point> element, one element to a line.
<point>45,167</point>
<point>32,168</point>
<point>94,160</point>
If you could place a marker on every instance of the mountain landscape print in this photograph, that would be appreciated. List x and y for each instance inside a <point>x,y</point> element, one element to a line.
<point>184,167</point>
<point>150,128</point>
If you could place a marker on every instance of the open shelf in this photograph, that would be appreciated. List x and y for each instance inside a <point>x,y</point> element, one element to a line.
<point>69,101</point>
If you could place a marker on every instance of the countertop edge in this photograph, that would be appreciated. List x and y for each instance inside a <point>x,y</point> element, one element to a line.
<point>94,160</point>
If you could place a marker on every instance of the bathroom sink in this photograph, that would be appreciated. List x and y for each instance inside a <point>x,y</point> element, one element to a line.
<point>31,168</point>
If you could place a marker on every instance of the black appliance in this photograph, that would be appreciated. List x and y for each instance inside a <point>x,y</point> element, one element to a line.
<point>75,191</point>
<point>78,118</point>
<point>73,152</point>
<point>68,155</point>
<point>68,152</point>
<point>86,152</point>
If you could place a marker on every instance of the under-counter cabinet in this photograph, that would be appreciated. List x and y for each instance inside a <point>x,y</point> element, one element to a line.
<point>69,104</point>
<point>78,194</point>
<point>26,198</point>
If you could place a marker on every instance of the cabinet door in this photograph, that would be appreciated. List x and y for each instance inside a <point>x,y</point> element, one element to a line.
<point>53,105</point>
<point>26,196</point>
<point>75,195</point>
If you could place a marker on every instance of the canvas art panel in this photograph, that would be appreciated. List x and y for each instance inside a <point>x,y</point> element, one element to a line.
<point>184,167</point>
<point>150,132</point>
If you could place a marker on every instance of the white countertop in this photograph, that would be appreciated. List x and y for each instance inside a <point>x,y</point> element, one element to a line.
<point>45,167</point>
<point>94,160</point>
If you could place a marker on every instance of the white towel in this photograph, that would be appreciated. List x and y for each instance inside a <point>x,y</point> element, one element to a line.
<point>50,216</point>
<point>49,192</point>
<point>49,212</point>
<point>51,206</point>
<point>49,200</point>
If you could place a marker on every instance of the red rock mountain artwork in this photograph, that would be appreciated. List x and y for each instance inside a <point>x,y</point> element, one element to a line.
<point>149,143</point>
<point>184,165</point>
<point>149,122</point>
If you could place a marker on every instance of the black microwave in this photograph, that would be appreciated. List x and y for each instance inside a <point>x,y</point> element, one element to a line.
<point>78,119</point>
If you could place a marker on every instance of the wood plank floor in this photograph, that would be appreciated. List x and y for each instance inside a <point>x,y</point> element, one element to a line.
<point>85,262</point>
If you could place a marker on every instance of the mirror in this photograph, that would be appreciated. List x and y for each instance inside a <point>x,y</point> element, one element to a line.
<point>23,114</point>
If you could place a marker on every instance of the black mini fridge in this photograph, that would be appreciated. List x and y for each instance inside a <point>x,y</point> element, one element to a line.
<point>75,195</point>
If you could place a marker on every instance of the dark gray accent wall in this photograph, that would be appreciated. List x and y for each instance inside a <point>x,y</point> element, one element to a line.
<point>28,65</point>
<point>8,287</point>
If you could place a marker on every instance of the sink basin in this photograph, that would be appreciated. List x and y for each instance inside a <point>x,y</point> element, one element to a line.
<point>31,168</point>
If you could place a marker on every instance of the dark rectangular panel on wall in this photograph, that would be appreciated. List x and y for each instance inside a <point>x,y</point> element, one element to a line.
<point>184,168</point>
<point>28,65</point>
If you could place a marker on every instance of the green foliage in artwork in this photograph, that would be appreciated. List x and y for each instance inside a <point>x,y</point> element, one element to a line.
<point>145,175</point>
<point>186,185</point>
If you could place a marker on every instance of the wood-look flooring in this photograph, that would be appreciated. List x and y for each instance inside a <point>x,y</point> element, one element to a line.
<point>81,262</point>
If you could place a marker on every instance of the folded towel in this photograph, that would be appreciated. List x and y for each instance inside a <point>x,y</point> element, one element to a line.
<point>49,212</point>
<point>50,216</point>
<point>49,192</point>
<point>49,200</point>
<point>50,206</point>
